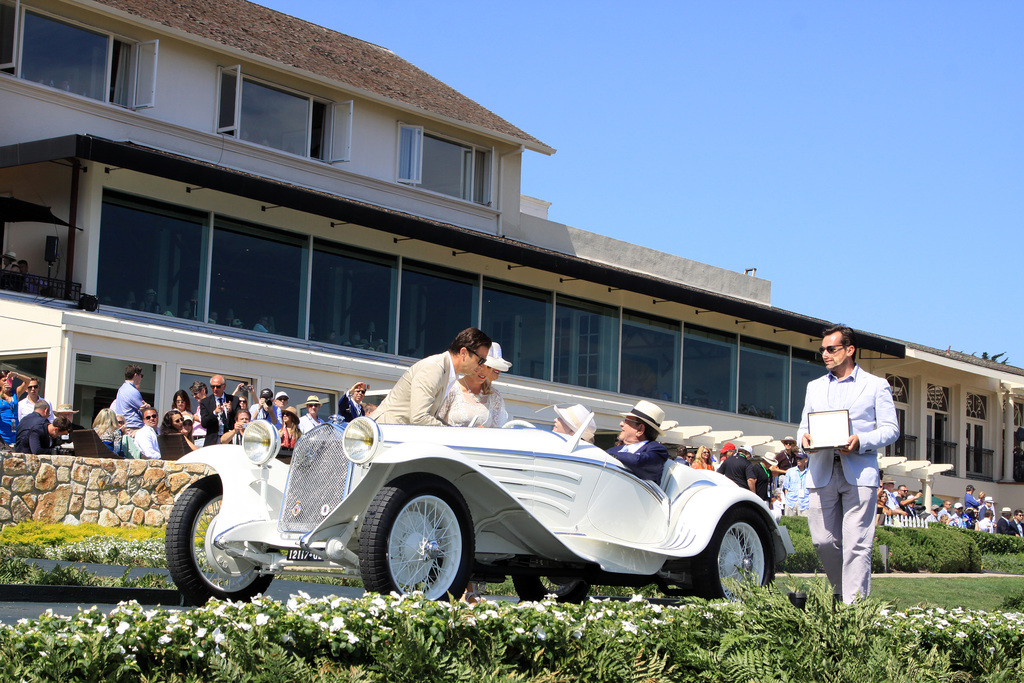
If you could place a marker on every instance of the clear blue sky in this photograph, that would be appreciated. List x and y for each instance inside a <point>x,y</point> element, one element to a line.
<point>865,157</point>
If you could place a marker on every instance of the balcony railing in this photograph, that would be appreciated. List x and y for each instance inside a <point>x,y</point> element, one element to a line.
<point>943,453</point>
<point>45,287</point>
<point>979,463</point>
<point>904,447</point>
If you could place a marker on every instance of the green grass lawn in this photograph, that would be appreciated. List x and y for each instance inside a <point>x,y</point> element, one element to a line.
<point>980,593</point>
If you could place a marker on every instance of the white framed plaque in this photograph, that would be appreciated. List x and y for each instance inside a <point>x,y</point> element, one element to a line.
<point>829,429</point>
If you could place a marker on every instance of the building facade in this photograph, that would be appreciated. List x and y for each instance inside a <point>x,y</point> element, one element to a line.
<point>253,195</point>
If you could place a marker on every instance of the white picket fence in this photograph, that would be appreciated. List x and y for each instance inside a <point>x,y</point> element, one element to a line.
<point>907,522</point>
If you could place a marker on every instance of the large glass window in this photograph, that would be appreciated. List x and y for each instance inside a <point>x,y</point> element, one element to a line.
<point>709,368</point>
<point>97,380</point>
<point>152,257</point>
<point>650,357</point>
<point>441,165</point>
<point>586,344</point>
<point>520,319</point>
<point>78,60</point>
<point>274,118</point>
<point>258,279</point>
<point>353,297</point>
<point>289,121</point>
<point>764,379</point>
<point>437,304</point>
<point>805,366</point>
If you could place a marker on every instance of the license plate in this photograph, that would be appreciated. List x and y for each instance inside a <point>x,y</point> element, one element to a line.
<point>303,556</point>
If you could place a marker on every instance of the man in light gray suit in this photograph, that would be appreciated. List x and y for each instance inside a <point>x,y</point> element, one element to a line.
<point>419,392</point>
<point>843,482</point>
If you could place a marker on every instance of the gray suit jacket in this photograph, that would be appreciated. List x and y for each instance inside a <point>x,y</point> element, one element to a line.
<point>418,395</point>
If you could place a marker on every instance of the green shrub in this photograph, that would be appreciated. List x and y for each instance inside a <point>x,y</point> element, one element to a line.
<point>1014,602</point>
<point>1007,564</point>
<point>804,558</point>
<point>995,544</point>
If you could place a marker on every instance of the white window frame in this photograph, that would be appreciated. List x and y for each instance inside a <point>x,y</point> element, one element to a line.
<point>139,72</point>
<point>409,160</point>
<point>146,55</point>
<point>15,39</point>
<point>235,124</point>
<point>339,134</point>
<point>337,143</point>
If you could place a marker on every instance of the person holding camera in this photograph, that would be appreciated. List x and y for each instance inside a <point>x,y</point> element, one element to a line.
<point>264,410</point>
<point>234,435</point>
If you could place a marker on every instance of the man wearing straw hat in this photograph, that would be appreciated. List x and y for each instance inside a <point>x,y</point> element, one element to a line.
<point>639,451</point>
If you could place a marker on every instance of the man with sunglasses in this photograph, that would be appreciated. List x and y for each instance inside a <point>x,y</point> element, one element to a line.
<point>843,482</point>
<point>27,405</point>
<point>218,412</point>
<point>417,396</point>
<point>145,438</point>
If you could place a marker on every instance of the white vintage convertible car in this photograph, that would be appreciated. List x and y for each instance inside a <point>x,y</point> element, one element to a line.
<point>413,508</point>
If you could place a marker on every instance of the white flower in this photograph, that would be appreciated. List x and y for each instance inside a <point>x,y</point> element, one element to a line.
<point>201,632</point>
<point>218,636</point>
<point>337,623</point>
<point>629,626</point>
<point>541,633</point>
<point>352,637</point>
<point>262,619</point>
<point>164,639</point>
<point>122,627</point>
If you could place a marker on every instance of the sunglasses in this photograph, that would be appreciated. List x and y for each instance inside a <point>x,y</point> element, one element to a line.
<point>149,417</point>
<point>216,386</point>
<point>479,359</point>
<point>830,349</point>
<point>33,386</point>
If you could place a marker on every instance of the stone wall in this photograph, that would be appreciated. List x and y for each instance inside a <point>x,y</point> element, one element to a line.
<point>69,489</point>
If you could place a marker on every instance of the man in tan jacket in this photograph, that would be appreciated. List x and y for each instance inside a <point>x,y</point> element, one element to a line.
<point>417,396</point>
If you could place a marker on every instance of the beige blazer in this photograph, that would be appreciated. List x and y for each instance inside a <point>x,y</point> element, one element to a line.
<point>418,395</point>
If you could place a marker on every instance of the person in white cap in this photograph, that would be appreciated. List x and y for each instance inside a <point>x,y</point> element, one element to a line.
<point>639,451</point>
<point>569,419</point>
<point>990,504</point>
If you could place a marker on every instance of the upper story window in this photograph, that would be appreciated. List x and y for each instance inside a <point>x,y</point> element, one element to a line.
<point>275,117</point>
<point>449,167</point>
<point>82,61</point>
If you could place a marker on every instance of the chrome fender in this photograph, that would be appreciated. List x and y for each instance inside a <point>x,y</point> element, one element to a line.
<point>250,493</point>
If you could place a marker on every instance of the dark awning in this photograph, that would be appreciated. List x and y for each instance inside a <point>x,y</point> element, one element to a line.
<point>19,211</point>
<point>257,188</point>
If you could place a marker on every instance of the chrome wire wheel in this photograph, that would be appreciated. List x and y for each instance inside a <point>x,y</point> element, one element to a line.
<point>425,547</point>
<point>741,557</point>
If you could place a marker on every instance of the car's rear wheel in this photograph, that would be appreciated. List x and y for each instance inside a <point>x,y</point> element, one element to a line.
<point>417,536</point>
<point>536,588</point>
<point>199,569</point>
<point>739,553</point>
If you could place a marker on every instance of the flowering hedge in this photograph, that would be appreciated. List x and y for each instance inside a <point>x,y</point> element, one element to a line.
<point>392,638</point>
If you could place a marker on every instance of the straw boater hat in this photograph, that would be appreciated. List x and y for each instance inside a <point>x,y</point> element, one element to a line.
<point>648,413</point>
<point>313,398</point>
<point>574,416</point>
<point>65,408</point>
<point>494,359</point>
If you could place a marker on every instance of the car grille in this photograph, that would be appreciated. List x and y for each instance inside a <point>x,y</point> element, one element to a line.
<point>317,480</point>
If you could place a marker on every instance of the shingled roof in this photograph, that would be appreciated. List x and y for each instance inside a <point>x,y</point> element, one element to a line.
<point>303,45</point>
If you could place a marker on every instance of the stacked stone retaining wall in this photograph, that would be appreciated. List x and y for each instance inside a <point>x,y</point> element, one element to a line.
<point>69,489</point>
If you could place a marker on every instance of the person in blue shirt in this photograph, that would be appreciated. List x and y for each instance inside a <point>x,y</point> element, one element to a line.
<point>129,401</point>
<point>969,500</point>
<point>794,488</point>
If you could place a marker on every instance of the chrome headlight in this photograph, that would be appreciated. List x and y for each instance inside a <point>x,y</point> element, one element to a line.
<point>261,442</point>
<point>361,440</point>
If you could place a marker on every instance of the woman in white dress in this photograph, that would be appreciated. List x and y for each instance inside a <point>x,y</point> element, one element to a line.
<point>473,401</point>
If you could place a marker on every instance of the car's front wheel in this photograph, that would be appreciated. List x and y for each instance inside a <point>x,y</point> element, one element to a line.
<point>417,536</point>
<point>199,569</point>
<point>740,552</point>
<point>536,588</point>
